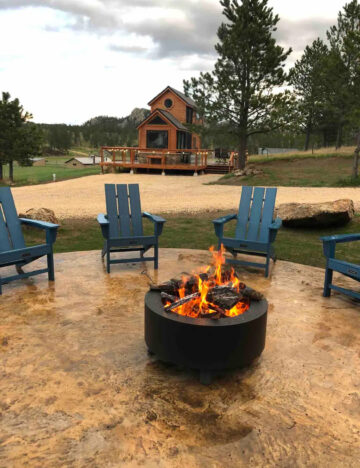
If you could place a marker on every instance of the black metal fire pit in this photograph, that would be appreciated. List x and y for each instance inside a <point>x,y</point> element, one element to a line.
<point>205,344</point>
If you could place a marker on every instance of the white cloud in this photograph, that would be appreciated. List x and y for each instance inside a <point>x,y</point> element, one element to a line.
<point>69,60</point>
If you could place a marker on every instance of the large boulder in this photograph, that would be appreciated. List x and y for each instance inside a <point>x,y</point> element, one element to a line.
<point>336,213</point>
<point>41,214</point>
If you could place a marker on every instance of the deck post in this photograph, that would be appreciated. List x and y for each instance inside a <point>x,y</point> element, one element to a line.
<point>102,159</point>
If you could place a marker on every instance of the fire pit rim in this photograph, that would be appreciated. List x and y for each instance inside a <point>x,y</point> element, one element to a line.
<point>256,309</point>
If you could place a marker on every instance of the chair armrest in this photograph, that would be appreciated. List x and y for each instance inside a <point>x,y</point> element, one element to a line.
<point>104,224</point>
<point>158,222</point>
<point>329,242</point>
<point>341,238</point>
<point>276,224</point>
<point>220,222</point>
<point>50,228</point>
<point>154,218</point>
<point>225,219</point>
<point>273,229</point>
<point>102,219</point>
<point>38,224</point>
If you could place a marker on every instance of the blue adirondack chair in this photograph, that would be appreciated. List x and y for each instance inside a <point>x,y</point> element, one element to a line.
<point>255,230</point>
<point>13,250</point>
<point>122,228</point>
<point>351,270</point>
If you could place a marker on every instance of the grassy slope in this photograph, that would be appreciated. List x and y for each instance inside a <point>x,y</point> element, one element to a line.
<point>323,168</point>
<point>331,171</point>
<point>30,175</point>
<point>196,232</point>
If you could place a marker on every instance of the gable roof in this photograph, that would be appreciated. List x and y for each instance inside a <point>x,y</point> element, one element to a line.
<point>89,161</point>
<point>181,95</point>
<point>169,117</point>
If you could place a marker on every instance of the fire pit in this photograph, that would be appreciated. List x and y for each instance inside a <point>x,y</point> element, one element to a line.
<point>208,321</point>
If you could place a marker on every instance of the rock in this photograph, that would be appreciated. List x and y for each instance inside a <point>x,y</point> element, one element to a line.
<point>248,171</point>
<point>336,213</point>
<point>41,214</point>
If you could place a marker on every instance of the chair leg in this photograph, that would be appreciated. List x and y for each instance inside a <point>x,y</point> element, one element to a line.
<point>103,251</point>
<point>156,255</point>
<point>107,258</point>
<point>51,271</point>
<point>327,282</point>
<point>267,265</point>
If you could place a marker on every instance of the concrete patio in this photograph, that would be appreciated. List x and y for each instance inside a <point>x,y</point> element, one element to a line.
<point>77,387</point>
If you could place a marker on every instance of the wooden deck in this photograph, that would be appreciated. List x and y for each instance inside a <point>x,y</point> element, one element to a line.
<point>132,158</point>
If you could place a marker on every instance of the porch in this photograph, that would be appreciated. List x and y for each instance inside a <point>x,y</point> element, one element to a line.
<point>192,160</point>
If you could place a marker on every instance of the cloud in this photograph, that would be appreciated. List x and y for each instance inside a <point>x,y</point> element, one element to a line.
<point>300,33</point>
<point>175,28</point>
<point>168,28</point>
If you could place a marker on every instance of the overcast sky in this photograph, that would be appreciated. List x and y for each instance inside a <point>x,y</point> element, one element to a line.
<point>70,60</point>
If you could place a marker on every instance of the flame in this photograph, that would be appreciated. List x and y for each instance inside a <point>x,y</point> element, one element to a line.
<point>200,305</point>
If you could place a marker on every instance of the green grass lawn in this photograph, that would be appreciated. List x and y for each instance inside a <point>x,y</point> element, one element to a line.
<point>317,171</point>
<point>196,232</point>
<point>30,175</point>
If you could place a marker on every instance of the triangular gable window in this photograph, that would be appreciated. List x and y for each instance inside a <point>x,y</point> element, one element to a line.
<point>157,121</point>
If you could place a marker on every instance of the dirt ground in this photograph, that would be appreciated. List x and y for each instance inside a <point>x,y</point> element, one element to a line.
<point>84,197</point>
<point>78,389</point>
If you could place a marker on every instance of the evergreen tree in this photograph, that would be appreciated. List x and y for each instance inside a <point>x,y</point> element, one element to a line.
<point>250,67</point>
<point>343,72</point>
<point>19,139</point>
<point>307,79</point>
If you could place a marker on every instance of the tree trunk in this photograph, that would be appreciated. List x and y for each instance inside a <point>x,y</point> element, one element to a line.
<point>241,160</point>
<point>355,171</point>
<point>339,136</point>
<point>11,171</point>
<point>1,171</point>
<point>307,138</point>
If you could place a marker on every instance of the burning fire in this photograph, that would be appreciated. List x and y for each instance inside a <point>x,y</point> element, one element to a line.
<point>200,305</point>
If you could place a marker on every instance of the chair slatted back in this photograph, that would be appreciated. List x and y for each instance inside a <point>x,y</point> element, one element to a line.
<point>123,210</point>
<point>11,236</point>
<point>256,213</point>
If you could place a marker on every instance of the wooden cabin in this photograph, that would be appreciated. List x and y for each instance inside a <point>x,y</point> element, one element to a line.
<point>165,140</point>
<point>165,127</point>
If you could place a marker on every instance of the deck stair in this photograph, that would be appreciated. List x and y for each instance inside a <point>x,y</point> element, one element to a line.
<point>218,169</point>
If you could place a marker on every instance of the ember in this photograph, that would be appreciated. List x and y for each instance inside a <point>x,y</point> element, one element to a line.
<point>212,293</point>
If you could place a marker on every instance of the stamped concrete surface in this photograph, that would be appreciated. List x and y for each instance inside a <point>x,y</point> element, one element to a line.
<point>77,387</point>
<point>84,197</point>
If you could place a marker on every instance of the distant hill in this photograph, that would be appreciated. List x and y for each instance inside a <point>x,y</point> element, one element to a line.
<point>97,131</point>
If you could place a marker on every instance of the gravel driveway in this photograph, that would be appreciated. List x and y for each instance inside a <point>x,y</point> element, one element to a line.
<point>84,197</point>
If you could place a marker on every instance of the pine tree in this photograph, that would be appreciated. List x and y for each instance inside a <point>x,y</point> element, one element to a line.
<point>242,90</point>
<point>307,79</point>
<point>19,139</point>
<point>343,73</point>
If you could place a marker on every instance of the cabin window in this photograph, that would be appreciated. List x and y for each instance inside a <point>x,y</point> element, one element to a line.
<point>156,139</point>
<point>183,140</point>
<point>168,103</point>
<point>189,114</point>
<point>157,121</point>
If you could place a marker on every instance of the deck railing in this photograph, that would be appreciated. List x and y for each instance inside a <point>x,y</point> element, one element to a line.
<point>134,157</point>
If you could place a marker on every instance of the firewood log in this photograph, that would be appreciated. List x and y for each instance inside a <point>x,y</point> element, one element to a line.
<point>182,301</point>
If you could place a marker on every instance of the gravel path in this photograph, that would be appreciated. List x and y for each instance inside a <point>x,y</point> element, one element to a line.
<point>84,197</point>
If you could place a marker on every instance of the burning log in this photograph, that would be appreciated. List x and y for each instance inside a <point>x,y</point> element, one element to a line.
<point>168,297</point>
<point>170,287</point>
<point>252,294</point>
<point>224,297</point>
<point>182,301</point>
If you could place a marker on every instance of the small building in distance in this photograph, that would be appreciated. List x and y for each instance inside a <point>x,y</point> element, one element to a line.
<point>266,151</point>
<point>38,161</point>
<point>165,127</point>
<point>85,161</point>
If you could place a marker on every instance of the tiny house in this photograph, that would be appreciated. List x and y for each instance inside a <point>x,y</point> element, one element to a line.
<point>165,127</point>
